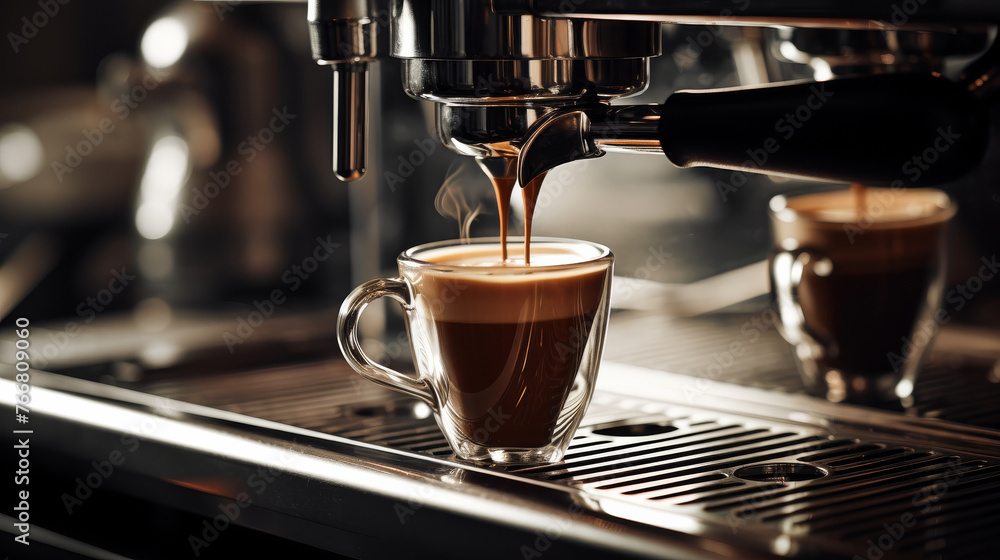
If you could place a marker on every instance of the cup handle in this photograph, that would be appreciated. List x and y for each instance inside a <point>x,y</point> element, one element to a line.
<point>350,346</point>
<point>786,269</point>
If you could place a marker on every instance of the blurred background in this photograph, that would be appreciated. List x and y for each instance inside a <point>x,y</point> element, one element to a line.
<point>167,204</point>
<point>188,144</point>
<point>165,186</point>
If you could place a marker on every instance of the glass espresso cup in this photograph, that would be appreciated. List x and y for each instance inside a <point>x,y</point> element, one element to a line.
<point>506,354</point>
<point>857,285</point>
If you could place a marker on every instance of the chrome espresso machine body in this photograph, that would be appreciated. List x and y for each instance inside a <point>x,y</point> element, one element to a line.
<point>536,80</point>
<point>700,442</point>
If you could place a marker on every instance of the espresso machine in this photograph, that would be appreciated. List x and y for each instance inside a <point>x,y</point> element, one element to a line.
<point>699,441</point>
<point>531,84</point>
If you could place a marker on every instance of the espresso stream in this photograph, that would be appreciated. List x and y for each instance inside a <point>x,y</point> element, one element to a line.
<point>503,187</point>
<point>512,349</point>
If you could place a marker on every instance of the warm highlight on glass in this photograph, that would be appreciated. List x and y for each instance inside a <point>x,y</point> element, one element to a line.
<point>506,354</point>
<point>856,278</point>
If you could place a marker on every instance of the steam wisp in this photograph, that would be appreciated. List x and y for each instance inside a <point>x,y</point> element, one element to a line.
<point>463,197</point>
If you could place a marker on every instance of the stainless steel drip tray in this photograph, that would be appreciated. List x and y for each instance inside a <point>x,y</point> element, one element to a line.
<point>666,466</point>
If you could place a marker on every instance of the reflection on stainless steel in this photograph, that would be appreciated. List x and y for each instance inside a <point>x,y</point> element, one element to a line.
<point>749,472</point>
<point>576,133</point>
<point>417,34</point>
<point>678,465</point>
<point>854,51</point>
<point>858,132</point>
<point>561,136</point>
<point>484,131</point>
<point>45,537</point>
<point>493,76</point>
<point>343,36</point>
<point>494,68</point>
<point>489,82</point>
<point>496,91</point>
<point>350,115</point>
<point>980,77</point>
<point>822,13</point>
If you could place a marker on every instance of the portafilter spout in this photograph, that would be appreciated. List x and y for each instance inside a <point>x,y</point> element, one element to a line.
<point>342,35</point>
<point>896,130</point>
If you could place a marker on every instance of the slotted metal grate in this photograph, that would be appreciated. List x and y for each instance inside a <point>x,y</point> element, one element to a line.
<point>948,387</point>
<point>870,494</point>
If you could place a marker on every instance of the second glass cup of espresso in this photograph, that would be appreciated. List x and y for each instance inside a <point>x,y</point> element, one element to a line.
<point>856,278</point>
<point>506,353</point>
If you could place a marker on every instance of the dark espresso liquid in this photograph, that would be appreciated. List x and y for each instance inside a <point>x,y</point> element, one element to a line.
<point>865,319</point>
<point>511,346</point>
<point>509,381</point>
<point>884,248</point>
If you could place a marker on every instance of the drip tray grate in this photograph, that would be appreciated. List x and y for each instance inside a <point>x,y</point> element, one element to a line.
<point>832,490</point>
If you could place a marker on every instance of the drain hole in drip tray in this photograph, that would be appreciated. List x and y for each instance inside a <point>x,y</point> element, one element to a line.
<point>634,430</point>
<point>779,472</point>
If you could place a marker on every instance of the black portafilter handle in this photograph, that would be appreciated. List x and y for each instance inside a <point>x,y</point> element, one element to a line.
<point>903,130</point>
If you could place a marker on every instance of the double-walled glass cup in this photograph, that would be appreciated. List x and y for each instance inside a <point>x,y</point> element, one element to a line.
<point>506,355</point>
<point>857,284</point>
